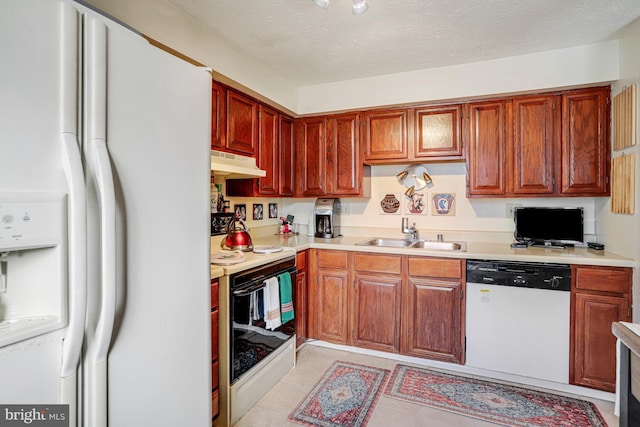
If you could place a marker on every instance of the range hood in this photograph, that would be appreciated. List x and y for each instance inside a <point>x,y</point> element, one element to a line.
<point>234,166</point>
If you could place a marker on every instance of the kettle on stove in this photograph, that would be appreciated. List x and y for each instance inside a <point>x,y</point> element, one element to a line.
<point>238,237</point>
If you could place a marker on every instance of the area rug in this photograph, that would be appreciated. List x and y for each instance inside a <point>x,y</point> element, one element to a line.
<point>498,403</point>
<point>344,397</point>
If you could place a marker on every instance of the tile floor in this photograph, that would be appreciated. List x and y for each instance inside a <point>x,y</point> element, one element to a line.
<point>272,410</point>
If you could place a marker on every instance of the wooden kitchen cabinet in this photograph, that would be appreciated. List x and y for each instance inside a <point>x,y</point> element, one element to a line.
<point>600,296</point>
<point>489,138</point>
<point>433,304</point>
<point>438,133</point>
<point>311,156</point>
<point>585,142</point>
<point>301,297</point>
<point>242,124</point>
<point>214,349</point>
<point>375,305</point>
<point>286,158</point>
<point>218,116</point>
<point>329,296</point>
<point>385,136</point>
<point>536,143</point>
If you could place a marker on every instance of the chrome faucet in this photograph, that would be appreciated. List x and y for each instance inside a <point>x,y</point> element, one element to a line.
<point>413,231</point>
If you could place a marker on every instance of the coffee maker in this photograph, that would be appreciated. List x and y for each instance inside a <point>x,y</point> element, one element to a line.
<point>327,218</point>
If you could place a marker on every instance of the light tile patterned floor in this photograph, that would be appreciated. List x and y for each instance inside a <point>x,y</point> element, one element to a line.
<point>273,409</point>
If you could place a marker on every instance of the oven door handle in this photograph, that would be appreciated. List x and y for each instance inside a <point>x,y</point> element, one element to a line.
<point>247,291</point>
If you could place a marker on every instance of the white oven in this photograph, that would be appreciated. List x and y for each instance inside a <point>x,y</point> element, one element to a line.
<point>253,356</point>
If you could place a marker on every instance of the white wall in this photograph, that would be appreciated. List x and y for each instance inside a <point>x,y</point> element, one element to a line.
<point>621,232</point>
<point>581,65</point>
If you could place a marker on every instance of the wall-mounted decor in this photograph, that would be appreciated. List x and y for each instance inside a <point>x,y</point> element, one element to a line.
<point>443,204</point>
<point>389,203</point>
<point>417,204</point>
<point>624,118</point>
<point>240,211</point>
<point>273,210</point>
<point>623,184</point>
<point>257,211</point>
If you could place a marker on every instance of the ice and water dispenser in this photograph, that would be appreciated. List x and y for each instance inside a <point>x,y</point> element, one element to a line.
<point>327,218</point>
<point>33,266</point>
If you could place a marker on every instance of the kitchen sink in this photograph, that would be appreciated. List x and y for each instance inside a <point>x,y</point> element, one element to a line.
<point>387,243</point>
<point>418,244</point>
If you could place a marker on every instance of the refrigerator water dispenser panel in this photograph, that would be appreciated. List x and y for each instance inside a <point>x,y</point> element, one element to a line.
<point>33,264</point>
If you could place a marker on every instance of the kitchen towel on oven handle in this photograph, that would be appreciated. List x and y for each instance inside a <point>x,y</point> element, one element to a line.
<point>272,303</point>
<point>286,299</point>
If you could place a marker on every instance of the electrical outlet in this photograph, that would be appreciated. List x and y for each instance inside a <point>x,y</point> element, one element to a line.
<point>509,208</point>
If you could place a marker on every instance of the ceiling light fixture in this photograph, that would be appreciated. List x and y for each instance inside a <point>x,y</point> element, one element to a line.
<point>359,6</point>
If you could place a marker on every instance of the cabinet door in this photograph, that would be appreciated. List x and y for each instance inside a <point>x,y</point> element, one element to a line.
<point>344,165</point>
<point>594,346</point>
<point>432,322</point>
<point>287,158</point>
<point>376,312</point>
<point>311,156</point>
<point>331,310</point>
<point>438,132</point>
<point>268,153</point>
<point>534,145</point>
<point>385,135</point>
<point>242,124</point>
<point>218,117</point>
<point>301,303</point>
<point>585,142</point>
<point>488,142</point>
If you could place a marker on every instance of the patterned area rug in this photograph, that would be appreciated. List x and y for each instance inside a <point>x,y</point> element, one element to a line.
<point>499,403</point>
<point>345,396</point>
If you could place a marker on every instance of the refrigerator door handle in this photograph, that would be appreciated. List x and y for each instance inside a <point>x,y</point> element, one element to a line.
<point>97,117</point>
<point>77,213</point>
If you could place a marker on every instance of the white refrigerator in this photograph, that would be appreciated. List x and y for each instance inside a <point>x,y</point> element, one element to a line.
<point>118,132</point>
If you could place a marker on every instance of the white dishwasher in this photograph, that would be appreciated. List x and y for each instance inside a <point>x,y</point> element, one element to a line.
<point>518,318</point>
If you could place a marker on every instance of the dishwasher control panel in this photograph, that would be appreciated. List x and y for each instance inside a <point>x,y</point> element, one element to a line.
<point>520,274</point>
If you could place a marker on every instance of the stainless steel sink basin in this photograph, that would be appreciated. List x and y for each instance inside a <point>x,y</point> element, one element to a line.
<point>441,246</point>
<point>387,243</point>
<point>419,244</point>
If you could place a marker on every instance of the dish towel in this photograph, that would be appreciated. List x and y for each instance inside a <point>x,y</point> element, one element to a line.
<point>272,303</point>
<point>286,301</point>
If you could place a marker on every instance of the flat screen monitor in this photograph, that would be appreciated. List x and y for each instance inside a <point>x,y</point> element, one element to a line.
<point>539,225</point>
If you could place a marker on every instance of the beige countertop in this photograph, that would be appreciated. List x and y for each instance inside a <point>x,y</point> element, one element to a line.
<point>474,250</point>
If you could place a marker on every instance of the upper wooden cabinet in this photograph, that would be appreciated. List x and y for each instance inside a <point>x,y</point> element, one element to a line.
<point>328,156</point>
<point>268,151</point>
<point>548,145</point>
<point>488,143</point>
<point>385,135</point>
<point>242,124</point>
<point>585,142</point>
<point>218,117</point>
<point>287,156</point>
<point>534,143</point>
<point>438,132</point>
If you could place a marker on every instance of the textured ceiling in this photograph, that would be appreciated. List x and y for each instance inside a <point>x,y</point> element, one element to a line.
<point>309,45</point>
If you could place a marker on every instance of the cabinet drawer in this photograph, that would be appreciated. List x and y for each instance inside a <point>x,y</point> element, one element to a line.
<point>332,259</point>
<point>609,279</point>
<point>301,261</point>
<point>435,267</point>
<point>377,263</point>
<point>214,294</point>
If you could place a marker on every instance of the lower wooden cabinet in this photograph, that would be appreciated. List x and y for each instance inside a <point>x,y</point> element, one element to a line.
<point>301,295</point>
<point>433,304</point>
<point>394,303</point>
<point>599,297</point>
<point>376,301</point>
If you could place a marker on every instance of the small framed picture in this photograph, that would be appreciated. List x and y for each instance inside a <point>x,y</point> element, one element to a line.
<point>257,211</point>
<point>273,210</point>
<point>240,211</point>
